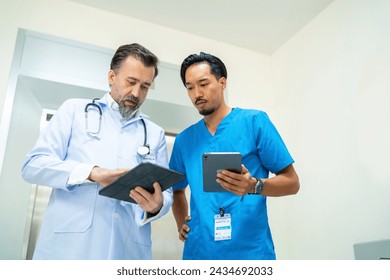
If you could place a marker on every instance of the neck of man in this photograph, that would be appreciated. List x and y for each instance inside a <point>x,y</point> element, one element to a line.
<point>213,120</point>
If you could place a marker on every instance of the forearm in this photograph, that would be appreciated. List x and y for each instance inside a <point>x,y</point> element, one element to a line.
<point>286,182</point>
<point>180,207</point>
<point>47,171</point>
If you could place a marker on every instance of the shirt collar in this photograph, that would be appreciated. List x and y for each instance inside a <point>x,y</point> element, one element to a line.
<point>112,105</point>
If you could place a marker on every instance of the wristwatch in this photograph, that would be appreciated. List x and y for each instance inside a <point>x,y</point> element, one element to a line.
<point>259,186</point>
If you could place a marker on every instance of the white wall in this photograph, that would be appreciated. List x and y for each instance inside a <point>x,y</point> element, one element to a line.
<point>332,83</point>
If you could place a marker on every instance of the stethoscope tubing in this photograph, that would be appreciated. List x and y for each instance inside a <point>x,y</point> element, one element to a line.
<point>143,150</point>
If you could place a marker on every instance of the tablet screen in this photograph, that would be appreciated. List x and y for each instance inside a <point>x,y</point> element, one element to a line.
<point>143,175</point>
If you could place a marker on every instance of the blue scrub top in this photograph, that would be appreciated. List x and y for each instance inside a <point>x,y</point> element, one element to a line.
<point>251,133</point>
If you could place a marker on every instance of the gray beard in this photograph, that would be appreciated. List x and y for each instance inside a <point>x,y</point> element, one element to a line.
<point>126,111</point>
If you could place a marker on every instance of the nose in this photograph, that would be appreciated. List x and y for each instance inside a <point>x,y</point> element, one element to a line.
<point>136,91</point>
<point>197,92</point>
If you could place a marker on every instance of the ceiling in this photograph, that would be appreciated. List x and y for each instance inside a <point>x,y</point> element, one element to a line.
<point>259,25</point>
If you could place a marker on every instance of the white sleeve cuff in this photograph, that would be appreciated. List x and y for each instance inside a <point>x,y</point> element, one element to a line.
<point>147,219</point>
<point>80,174</point>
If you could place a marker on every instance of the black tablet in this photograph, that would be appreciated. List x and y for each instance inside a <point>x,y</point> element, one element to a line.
<point>143,175</point>
<point>212,163</point>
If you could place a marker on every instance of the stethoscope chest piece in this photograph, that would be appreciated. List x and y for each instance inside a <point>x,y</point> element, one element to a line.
<point>143,150</point>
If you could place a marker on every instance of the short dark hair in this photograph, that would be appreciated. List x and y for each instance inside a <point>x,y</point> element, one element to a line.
<point>217,68</point>
<point>137,51</point>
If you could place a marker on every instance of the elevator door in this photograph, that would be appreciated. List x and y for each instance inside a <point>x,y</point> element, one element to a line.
<point>39,198</point>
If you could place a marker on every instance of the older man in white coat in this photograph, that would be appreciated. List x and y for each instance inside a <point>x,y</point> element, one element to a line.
<point>77,157</point>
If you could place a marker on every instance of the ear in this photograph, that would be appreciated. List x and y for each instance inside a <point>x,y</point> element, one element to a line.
<point>222,81</point>
<point>111,77</point>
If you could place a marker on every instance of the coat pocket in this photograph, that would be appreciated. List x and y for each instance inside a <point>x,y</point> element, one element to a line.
<point>73,211</point>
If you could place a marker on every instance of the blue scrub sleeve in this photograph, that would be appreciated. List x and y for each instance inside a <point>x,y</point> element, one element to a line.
<point>273,152</point>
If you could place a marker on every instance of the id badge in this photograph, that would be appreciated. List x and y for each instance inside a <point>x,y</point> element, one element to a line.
<point>222,227</point>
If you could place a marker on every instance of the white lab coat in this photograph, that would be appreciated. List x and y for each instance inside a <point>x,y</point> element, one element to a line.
<point>79,223</point>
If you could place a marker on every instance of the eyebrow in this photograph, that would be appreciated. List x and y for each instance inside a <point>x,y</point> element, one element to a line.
<point>137,80</point>
<point>199,81</point>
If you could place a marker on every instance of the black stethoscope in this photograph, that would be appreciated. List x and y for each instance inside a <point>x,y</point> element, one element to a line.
<point>95,130</point>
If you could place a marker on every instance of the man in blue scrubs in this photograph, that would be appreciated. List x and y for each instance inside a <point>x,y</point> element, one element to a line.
<point>231,224</point>
<point>85,147</point>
